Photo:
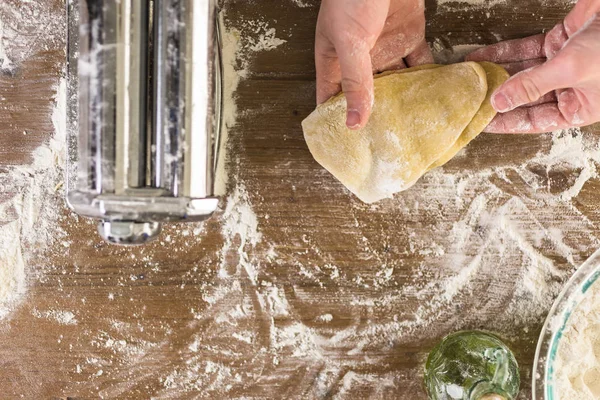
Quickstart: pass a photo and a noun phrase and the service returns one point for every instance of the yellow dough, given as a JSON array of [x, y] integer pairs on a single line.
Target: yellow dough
[[421, 118], [496, 76]]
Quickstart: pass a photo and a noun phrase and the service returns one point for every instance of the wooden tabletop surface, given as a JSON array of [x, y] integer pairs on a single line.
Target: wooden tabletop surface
[[318, 308]]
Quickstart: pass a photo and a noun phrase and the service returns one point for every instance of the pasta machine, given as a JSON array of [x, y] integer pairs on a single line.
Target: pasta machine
[[144, 90]]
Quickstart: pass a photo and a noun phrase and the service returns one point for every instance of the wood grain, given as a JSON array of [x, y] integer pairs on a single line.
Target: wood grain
[[144, 327]]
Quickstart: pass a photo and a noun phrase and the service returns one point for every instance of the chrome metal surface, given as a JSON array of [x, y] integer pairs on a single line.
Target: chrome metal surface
[[129, 232], [147, 76]]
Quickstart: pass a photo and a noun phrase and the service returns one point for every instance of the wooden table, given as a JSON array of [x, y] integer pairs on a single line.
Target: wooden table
[[325, 315]]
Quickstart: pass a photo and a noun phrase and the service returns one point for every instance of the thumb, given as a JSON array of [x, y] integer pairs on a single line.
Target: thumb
[[357, 81], [530, 85], [583, 11]]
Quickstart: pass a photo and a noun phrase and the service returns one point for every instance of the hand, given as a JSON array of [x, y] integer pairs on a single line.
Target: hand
[[556, 82], [356, 38]]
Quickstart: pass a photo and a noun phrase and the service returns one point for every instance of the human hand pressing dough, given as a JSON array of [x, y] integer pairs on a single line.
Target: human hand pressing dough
[[556, 82], [356, 38], [421, 118]]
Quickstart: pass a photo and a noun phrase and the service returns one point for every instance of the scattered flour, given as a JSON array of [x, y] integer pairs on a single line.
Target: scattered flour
[[239, 224], [325, 318], [262, 38], [232, 299], [499, 230], [60, 316], [27, 28], [12, 266], [577, 366], [266, 320], [5, 63], [480, 5], [267, 41], [27, 225], [301, 3], [231, 77], [473, 3], [238, 49], [474, 226]]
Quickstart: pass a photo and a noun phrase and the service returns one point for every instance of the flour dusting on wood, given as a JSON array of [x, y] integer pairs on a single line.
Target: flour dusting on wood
[[473, 3], [5, 63], [485, 248], [28, 214], [309, 293]]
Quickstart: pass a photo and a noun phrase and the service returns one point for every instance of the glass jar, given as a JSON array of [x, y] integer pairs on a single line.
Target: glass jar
[[472, 366]]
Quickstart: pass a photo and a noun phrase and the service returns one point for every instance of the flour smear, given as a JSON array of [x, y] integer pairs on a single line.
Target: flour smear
[[509, 235], [473, 3], [489, 247], [5, 63], [28, 214], [27, 28], [493, 247]]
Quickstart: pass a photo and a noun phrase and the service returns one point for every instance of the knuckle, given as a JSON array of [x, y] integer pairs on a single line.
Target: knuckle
[[530, 88], [352, 85], [358, 93]]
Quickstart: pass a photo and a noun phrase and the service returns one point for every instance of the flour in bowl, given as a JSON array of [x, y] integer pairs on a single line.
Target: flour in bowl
[[577, 366]]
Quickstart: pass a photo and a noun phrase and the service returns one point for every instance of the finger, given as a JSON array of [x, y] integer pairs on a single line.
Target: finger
[[357, 80], [329, 77], [583, 11], [571, 107], [538, 119], [545, 99], [386, 61], [530, 85], [395, 45], [511, 51], [555, 41], [516, 67], [399, 64], [420, 56]]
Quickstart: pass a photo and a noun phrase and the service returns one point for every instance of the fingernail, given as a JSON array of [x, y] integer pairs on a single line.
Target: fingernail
[[353, 119], [501, 103]]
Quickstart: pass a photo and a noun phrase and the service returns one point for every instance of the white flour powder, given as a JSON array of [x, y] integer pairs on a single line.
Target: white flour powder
[[255, 328], [12, 266], [5, 63], [27, 28], [239, 223], [60, 316], [28, 215], [265, 38], [231, 78], [473, 3], [577, 366], [237, 51], [484, 225], [301, 3]]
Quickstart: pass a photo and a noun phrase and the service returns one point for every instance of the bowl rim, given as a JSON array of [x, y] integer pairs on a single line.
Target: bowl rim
[[556, 321]]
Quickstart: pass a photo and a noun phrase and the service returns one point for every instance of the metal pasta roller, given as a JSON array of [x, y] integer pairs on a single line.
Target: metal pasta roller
[[145, 114]]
